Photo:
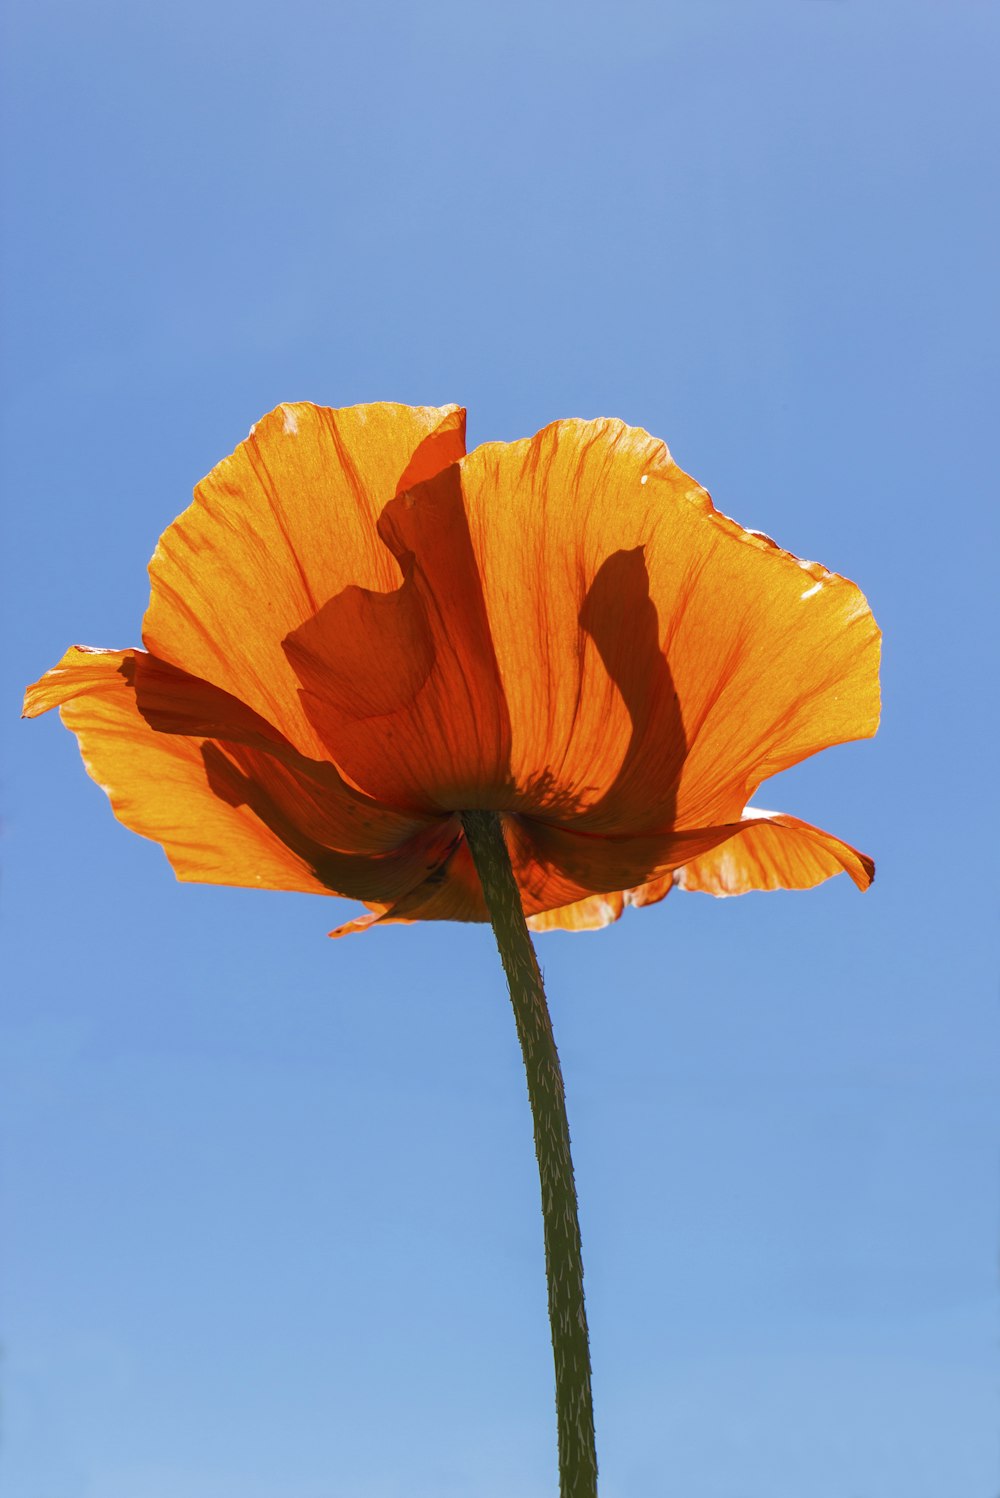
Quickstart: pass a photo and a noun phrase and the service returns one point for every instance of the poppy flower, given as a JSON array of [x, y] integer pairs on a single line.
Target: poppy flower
[[357, 632]]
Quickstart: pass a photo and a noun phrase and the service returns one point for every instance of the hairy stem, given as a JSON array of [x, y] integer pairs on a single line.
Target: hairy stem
[[563, 1258]]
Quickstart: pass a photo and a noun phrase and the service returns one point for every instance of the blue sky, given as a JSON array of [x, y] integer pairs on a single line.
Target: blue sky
[[271, 1219]]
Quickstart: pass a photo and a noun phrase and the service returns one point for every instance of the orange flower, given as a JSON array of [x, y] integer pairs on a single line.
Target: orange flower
[[357, 632]]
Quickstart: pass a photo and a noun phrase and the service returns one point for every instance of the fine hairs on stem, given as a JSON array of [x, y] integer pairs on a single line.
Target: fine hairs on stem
[[563, 1257]]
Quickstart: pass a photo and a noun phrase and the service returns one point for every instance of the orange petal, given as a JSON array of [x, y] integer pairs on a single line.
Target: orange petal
[[231, 801], [275, 531], [553, 867], [657, 661], [773, 851], [376, 916], [82, 670], [552, 894], [597, 911], [769, 851], [402, 688]]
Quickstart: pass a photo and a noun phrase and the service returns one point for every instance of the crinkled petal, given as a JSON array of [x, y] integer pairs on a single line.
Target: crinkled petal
[[764, 851], [596, 911], [770, 851], [275, 531], [402, 688], [656, 660], [228, 798], [774, 851], [563, 630], [782, 853], [555, 872]]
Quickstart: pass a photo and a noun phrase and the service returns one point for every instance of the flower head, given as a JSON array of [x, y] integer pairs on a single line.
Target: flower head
[[356, 632]]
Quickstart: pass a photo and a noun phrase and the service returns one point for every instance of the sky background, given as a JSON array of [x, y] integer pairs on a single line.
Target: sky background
[[271, 1222]]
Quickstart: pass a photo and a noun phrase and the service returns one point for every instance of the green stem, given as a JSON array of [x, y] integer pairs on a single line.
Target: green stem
[[563, 1258]]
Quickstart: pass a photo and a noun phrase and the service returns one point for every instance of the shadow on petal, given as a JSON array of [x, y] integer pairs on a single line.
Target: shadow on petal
[[621, 618], [402, 687], [242, 777]]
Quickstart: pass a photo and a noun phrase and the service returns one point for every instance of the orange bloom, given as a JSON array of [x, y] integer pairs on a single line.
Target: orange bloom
[[357, 632]]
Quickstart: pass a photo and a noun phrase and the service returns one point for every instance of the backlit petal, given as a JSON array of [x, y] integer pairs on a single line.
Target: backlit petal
[[559, 879], [774, 851], [230, 800], [357, 632], [575, 636], [275, 531], [657, 661], [402, 688], [597, 911], [557, 871], [770, 851]]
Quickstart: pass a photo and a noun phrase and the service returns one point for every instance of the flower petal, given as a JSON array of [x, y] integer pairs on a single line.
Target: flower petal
[[774, 851], [560, 880], [657, 660], [274, 532], [769, 851], [230, 800], [597, 911], [492, 624], [553, 867], [576, 640], [402, 688]]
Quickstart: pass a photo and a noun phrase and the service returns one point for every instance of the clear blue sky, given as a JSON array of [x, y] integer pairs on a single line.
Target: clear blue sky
[[271, 1222]]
